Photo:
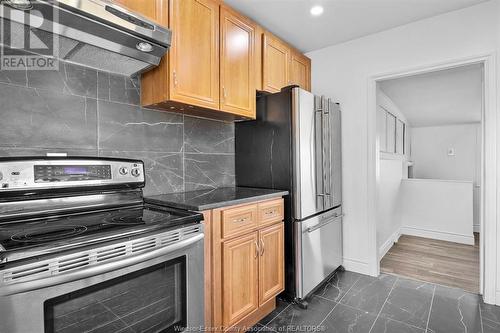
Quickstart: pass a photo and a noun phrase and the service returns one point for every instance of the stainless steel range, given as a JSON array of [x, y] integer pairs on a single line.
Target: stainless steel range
[[80, 251]]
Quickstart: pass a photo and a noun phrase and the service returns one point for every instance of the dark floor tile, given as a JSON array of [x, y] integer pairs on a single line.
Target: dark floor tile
[[386, 325], [490, 326], [369, 293], [409, 302], [490, 312], [260, 328], [255, 328], [293, 318], [338, 285], [346, 319], [280, 306], [454, 310]]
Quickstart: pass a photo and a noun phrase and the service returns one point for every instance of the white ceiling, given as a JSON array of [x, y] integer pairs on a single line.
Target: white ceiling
[[452, 96], [342, 20]]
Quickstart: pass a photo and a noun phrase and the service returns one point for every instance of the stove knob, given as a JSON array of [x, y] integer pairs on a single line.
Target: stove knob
[[135, 172], [123, 171]]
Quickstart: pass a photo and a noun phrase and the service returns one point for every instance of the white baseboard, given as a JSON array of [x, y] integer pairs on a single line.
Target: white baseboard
[[357, 266], [446, 236], [384, 248], [476, 228]]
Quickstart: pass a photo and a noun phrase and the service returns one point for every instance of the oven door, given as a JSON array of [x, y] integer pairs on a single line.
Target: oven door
[[158, 290]]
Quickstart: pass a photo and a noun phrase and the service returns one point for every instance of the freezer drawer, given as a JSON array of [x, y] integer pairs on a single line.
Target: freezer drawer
[[319, 249]]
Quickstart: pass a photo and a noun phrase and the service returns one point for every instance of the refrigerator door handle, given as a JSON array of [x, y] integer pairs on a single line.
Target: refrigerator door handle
[[321, 225], [319, 152], [327, 165]]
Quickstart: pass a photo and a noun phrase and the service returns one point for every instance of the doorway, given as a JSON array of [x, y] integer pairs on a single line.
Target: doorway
[[429, 175]]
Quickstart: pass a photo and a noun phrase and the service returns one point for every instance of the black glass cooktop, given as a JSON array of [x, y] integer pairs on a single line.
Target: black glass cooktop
[[91, 226]]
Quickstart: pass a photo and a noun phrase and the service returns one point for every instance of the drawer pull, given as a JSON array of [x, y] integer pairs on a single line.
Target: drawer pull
[[241, 220], [270, 212]]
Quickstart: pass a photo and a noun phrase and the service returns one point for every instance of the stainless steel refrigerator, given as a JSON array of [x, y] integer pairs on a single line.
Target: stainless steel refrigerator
[[295, 145]]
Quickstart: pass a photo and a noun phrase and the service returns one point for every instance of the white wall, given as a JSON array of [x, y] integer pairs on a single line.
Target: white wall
[[430, 155], [431, 160], [388, 188], [392, 169], [438, 209], [343, 72]]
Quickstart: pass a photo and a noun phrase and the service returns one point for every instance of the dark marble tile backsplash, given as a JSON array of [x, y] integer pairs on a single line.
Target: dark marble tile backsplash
[[82, 111]]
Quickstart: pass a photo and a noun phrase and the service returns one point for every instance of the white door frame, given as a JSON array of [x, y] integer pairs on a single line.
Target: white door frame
[[489, 173]]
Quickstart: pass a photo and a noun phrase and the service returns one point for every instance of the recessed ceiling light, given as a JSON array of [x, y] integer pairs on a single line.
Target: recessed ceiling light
[[316, 10]]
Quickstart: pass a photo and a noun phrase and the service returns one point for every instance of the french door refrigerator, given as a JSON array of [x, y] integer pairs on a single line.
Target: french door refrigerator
[[295, 144]]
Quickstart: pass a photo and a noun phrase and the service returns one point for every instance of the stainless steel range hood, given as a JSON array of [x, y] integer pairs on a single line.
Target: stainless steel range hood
[[92, 33]]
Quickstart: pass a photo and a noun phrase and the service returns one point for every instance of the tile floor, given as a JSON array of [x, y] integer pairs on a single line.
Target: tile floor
[[351, 302]]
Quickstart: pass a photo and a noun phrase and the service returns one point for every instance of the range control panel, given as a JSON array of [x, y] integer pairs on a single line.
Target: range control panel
[[24, 174]]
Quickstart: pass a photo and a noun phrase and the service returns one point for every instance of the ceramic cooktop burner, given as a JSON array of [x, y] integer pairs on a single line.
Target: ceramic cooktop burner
[[49, 233]]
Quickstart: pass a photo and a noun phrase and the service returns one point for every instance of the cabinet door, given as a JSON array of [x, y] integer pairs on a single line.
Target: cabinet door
[[272, 261], [300, 70], [194, 55], [237, 64], [275, 62], [239, 278]]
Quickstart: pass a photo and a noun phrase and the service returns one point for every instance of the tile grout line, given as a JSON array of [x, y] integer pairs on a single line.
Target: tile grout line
[[380, 311], [430, 309], [337, 303]]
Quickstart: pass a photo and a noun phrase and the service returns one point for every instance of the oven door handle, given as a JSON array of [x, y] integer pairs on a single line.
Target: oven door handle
[[98, 269]]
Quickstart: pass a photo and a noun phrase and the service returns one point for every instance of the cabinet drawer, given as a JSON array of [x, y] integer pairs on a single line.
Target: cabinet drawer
[[237, 220], [271, 212]]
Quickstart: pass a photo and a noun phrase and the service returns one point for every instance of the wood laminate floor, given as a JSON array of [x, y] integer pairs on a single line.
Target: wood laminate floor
[[435, 261]]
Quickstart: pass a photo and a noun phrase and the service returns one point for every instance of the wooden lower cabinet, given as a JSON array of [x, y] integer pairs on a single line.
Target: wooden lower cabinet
[[246, 268], [240, 271], [271, 262]]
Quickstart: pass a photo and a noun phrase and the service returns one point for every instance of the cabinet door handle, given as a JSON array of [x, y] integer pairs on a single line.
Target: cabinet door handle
[[257, 250], [224, 94], [175, 78], [262, 247]]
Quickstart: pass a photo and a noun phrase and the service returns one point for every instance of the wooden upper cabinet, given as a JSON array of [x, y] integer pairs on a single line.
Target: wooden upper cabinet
[[276, 56], [237, 64], [240, 258], [217, 61], [194, 54], [271, 263], [259, 39], [300, 70]]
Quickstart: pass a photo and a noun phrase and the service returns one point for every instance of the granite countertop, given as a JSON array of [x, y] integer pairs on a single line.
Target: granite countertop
[[214, 198]]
